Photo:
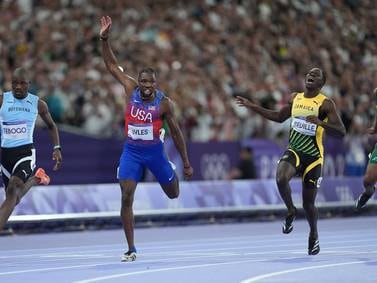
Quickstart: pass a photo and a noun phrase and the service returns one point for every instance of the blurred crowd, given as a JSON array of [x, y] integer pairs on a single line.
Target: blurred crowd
[[205, 52]]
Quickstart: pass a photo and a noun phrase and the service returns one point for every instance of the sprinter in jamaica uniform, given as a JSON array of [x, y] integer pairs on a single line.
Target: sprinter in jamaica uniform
[[311, 114], [370, 176]]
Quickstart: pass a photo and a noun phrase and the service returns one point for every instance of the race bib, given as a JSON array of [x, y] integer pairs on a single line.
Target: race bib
[[300, 125], [142, 132], [14, 130]]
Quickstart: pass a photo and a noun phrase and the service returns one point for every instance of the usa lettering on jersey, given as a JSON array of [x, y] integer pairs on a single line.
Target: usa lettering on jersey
[[141, 114]]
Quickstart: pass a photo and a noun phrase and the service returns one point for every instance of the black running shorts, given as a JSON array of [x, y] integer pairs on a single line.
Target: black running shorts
[[17, 161]]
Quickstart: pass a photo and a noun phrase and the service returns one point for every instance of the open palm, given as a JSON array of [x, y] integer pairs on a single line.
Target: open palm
[[242, 101], [105, 26]]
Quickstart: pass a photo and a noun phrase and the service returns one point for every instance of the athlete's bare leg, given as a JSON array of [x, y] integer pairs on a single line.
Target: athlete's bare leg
[[309, 193], [32, 181], [370, 178], [13, 194], [172, 189], [128, 188], [284, 174]]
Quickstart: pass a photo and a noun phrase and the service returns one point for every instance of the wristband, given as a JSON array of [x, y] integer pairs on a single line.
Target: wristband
[[104, 38], [57, 147]]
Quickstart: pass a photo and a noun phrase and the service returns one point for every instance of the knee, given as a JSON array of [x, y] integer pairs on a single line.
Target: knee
[[127, 199], [308, 205], [281, 180]]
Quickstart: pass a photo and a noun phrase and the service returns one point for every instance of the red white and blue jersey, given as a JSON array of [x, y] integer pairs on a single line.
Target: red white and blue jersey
[[142, 120]]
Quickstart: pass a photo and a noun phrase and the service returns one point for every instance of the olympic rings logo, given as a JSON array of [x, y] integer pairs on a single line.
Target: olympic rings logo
[[214, 166]]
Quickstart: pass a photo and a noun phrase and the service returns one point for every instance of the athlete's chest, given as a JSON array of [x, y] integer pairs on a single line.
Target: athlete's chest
[[13, 108], [144, 113], [303, 107]]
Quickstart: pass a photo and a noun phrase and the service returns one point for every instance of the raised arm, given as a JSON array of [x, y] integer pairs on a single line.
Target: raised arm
[[334, 125], [53, 132], [111, 62], [274, 115], [176, 133]]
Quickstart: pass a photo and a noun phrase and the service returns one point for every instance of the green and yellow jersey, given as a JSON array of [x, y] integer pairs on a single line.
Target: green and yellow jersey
[[306, 137]]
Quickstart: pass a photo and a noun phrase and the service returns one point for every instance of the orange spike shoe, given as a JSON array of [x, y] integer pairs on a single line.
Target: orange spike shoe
[[44, 179]]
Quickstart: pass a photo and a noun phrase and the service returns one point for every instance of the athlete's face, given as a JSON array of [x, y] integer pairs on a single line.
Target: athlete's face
[[20, 87], [147, 84], [314, 79]]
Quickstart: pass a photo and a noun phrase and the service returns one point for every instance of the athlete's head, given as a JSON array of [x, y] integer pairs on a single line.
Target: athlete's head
[[147, 82], [20, 83], [315, 79]]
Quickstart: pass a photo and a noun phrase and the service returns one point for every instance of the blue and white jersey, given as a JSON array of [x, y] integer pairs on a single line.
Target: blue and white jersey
[[17, 119]]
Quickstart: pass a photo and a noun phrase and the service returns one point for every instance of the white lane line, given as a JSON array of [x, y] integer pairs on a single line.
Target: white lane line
[[202, 251], [272, 274], [276, 243], [56, 268], [167, 243], [102, 278], [120, 263], [188, 242], [187, 257]]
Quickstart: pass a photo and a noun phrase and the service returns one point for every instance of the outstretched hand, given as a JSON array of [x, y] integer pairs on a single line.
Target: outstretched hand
[[242, 101], [105, 26]]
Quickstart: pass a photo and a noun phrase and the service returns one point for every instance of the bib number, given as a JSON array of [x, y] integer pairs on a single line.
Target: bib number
[[144, 132], [300, 125], [14, 131]]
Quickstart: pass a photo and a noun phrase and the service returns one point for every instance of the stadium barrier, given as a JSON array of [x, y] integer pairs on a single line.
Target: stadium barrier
[[103, 200]]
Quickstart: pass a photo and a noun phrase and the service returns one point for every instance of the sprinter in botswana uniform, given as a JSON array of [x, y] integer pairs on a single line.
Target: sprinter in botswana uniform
[[311, 114], [18, 112]]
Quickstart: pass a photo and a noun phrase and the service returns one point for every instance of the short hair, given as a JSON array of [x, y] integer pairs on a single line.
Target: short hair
[[148, 70], [22, 73]]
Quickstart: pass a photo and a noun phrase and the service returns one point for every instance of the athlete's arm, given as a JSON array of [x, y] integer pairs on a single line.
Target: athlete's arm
[[274, 115], [334, 125], [111, 62], [176, 134], [53, 132], [373, 130], [1, 99]]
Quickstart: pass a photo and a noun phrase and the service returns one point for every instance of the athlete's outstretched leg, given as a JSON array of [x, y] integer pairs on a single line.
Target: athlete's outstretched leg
[[13, 194], [128, 188], [370, 178], [15, 191], [309, 193], [284, 174]]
